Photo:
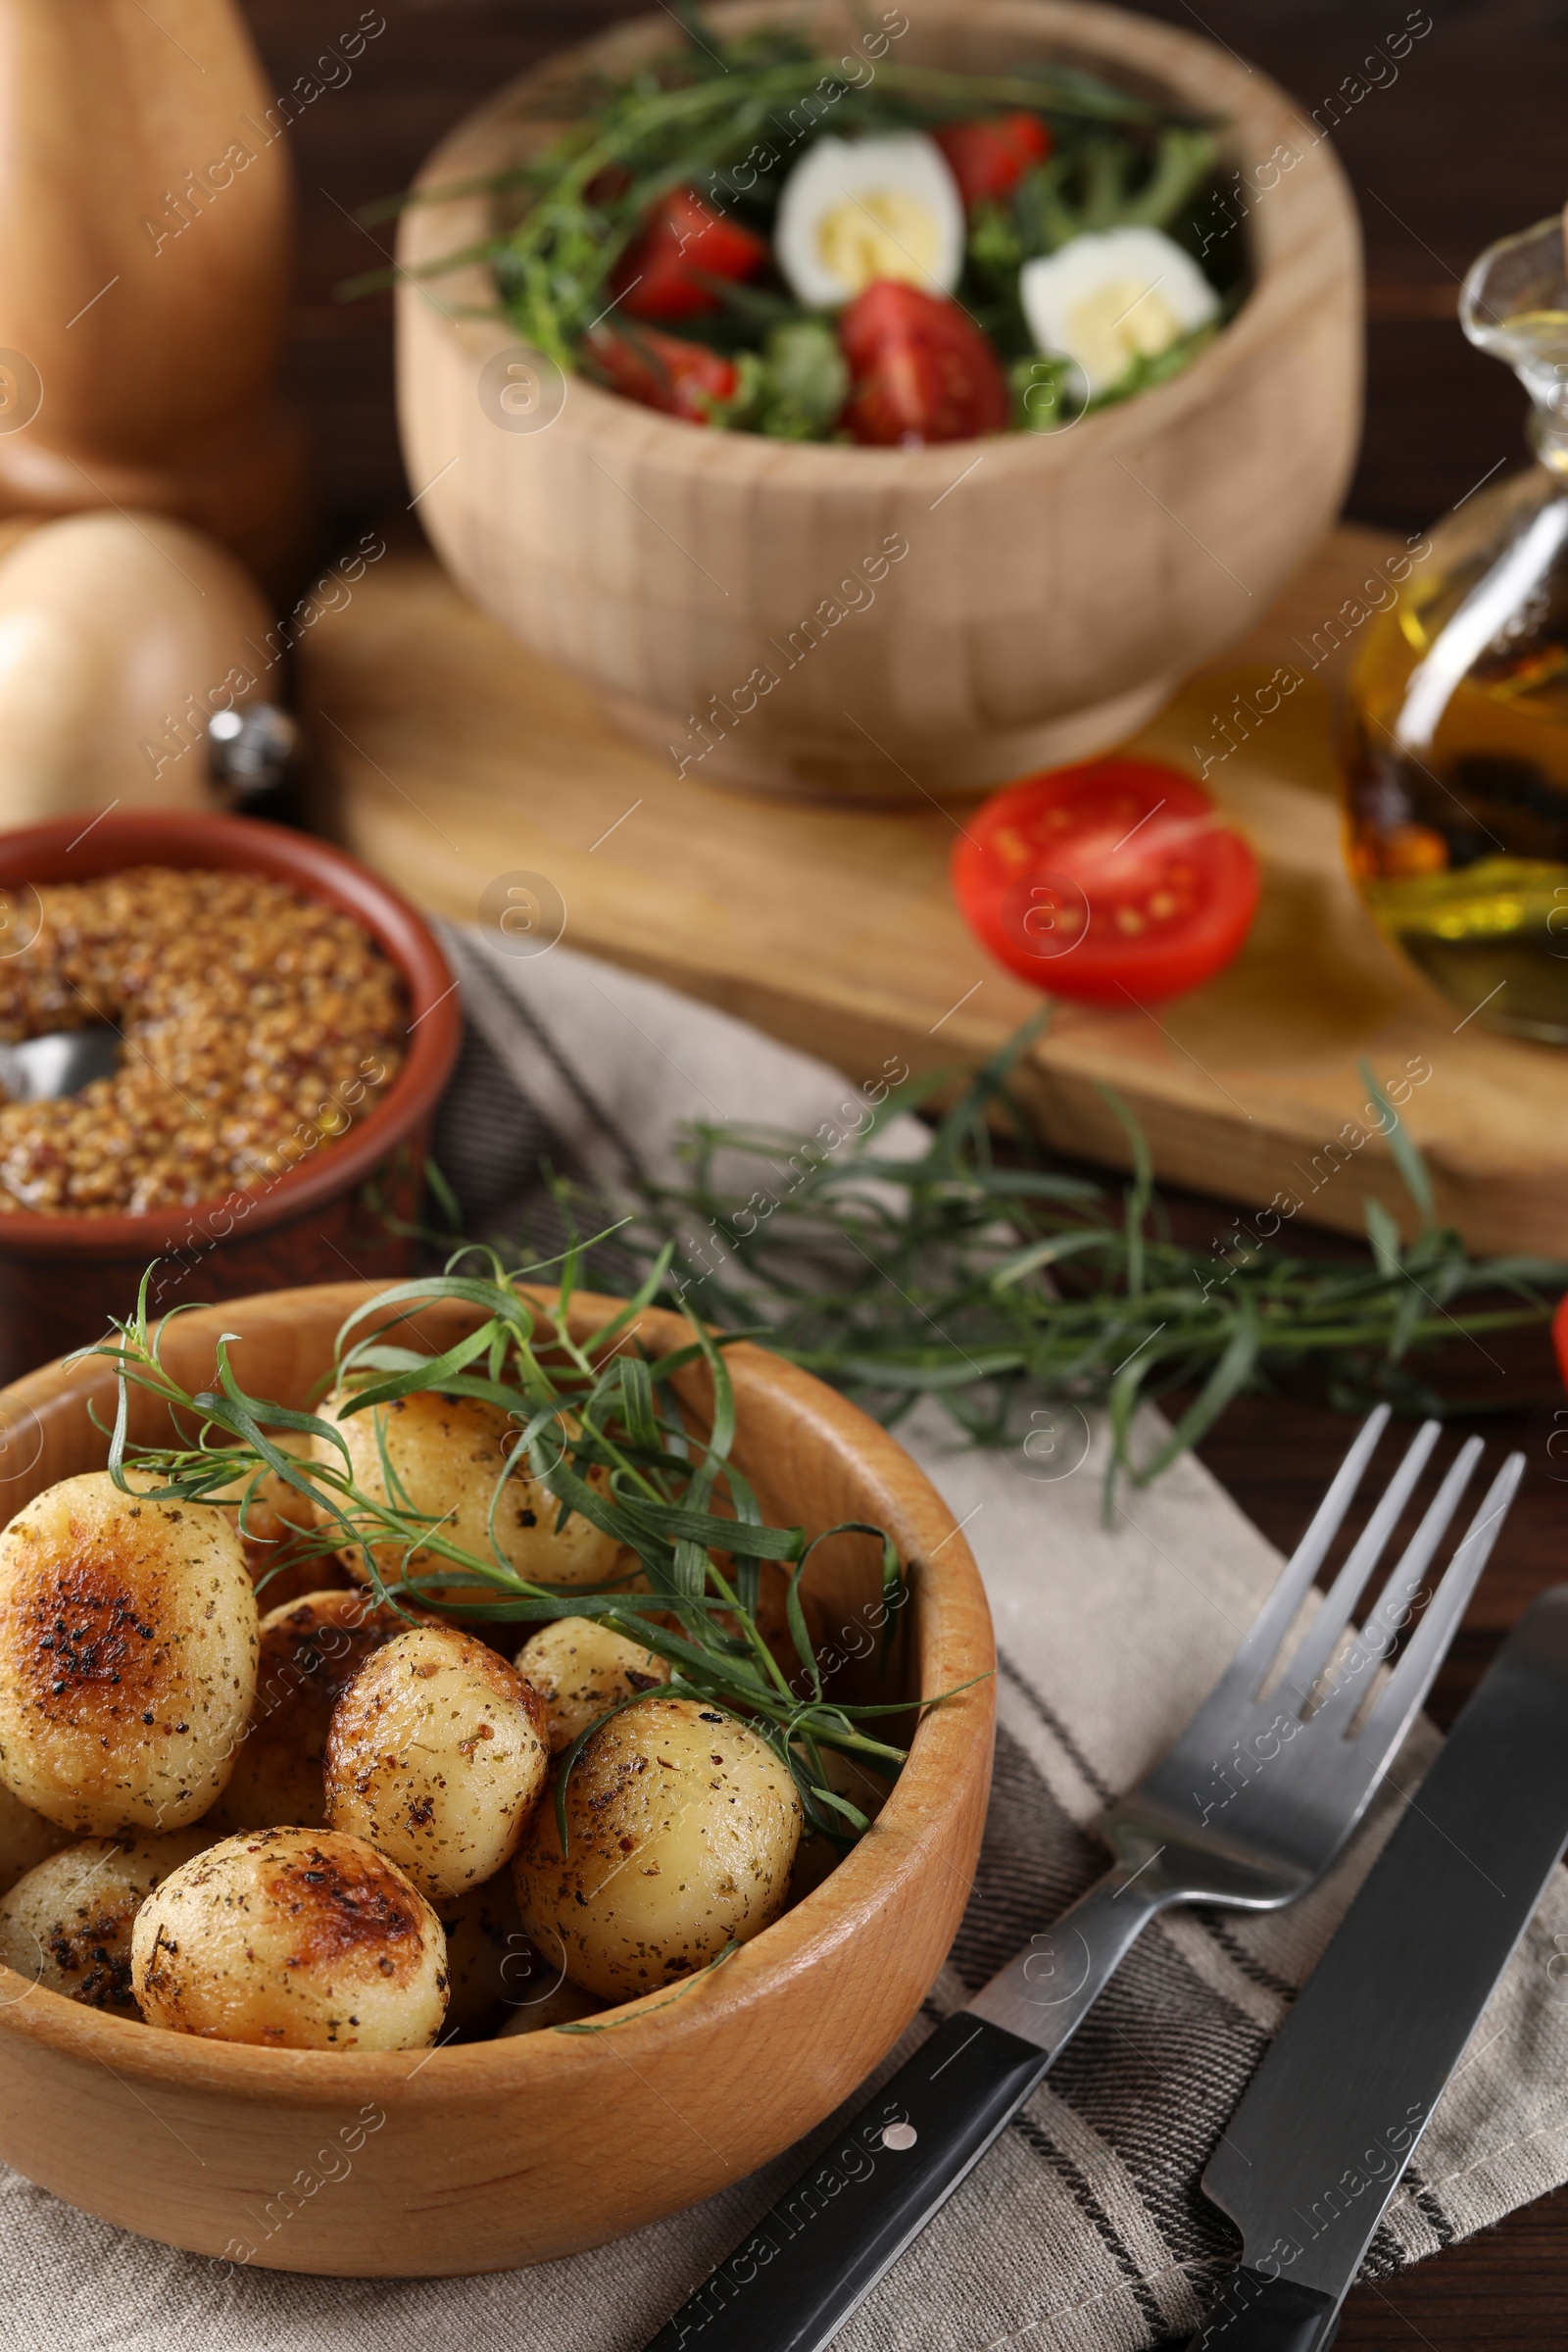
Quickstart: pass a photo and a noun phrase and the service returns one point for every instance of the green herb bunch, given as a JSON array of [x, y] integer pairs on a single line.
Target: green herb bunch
[[675, 1498], [972, 1273]]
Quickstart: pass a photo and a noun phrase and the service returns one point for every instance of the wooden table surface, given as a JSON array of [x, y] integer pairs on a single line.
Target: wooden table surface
[[1461, 145]]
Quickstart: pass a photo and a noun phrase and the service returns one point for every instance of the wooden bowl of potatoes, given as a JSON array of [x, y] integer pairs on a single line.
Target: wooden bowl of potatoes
[[300, 1971]]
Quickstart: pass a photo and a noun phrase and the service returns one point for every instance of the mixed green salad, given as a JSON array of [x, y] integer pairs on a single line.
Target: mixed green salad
[[752, 237]]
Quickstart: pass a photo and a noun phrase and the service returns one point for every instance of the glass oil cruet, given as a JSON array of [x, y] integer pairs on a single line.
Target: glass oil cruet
[[1458, 751]]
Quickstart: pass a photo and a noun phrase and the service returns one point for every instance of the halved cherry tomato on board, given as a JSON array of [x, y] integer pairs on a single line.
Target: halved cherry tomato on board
[[1116, 882], [683, 239], [919, 369], [662, 371], [987, 157]]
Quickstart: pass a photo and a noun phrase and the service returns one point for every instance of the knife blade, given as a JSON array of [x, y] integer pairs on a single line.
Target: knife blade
[[1315, 2151]]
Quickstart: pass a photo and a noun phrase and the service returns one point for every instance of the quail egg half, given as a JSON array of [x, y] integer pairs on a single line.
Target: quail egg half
[[854, 210]]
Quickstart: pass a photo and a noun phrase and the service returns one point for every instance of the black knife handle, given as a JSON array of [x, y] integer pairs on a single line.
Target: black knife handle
[[827, 2241], [1259, 2313]]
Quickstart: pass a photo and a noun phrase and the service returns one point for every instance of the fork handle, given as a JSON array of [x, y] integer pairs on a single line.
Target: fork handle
[[1044, 1992], [831, 2236], [864, 2204]]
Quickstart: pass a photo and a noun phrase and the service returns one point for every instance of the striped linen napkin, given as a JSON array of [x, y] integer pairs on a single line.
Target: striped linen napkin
[[1084, 2229]]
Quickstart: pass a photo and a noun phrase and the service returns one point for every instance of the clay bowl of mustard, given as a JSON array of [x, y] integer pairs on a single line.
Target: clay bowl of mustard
[[490, 2155], [334, 1211]]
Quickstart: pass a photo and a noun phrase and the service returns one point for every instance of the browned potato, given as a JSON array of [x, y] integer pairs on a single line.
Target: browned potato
[[67, 1925], [280, 1576], [563, 2005], [284, 1563], [128, 1657], [682, 1827], [311, 1650], [580, 1668], [300, 1939], [25, 1838], [772, 1618], [276, 1512], [280, 1522], [448, 1454], [485, 1950], [437, 1754]]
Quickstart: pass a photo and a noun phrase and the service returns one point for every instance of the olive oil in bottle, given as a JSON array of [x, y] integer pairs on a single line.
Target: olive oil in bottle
[[1458, 751]]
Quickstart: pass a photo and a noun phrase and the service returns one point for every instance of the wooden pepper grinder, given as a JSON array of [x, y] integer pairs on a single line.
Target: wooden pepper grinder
[[145, 205]]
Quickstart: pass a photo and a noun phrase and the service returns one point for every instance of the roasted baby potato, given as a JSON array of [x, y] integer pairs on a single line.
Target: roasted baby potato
[[300, 1939], [580, 1668], [128, 1657], [25, 1838], [562, 2004], [682, 1827], [311, 1650], [446, 1454], [280, 1534], [485, 1951], [67, 1925], [437, 1754]]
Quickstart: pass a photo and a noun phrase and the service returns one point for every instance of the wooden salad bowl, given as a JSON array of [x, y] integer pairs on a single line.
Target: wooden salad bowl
[[497, 2154], [1057, 586]]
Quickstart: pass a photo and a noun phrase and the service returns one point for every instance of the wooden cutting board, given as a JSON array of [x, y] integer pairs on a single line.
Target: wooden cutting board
[[451, 759]]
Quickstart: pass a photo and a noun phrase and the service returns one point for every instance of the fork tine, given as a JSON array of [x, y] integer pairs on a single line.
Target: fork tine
[[1268, 1629], [1377, 1635], [1317, 1644], [1390, 1718]]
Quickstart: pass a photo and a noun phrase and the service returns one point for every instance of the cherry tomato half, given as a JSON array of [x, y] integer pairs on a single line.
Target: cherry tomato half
[[1559, 1336], [988, 157], [1111, 882], [662, 371], [682, 240], [919, 369]]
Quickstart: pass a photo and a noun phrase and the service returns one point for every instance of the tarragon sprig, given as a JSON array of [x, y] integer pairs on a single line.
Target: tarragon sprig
[[975, 1273], [675, 1496]]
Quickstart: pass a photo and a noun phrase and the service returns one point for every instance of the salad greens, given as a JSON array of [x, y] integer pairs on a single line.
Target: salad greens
[[725, 121]]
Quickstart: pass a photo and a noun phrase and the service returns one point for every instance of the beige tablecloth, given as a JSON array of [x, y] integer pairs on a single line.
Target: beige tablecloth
[[1084, 2229]]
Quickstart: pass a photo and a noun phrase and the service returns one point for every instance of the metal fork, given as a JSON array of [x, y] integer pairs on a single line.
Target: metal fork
[[1248, 1808]]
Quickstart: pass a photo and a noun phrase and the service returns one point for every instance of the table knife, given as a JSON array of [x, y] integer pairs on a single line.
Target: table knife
[[1317, 2147]]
